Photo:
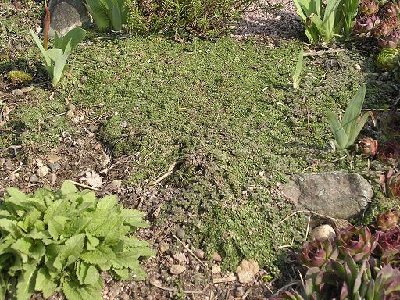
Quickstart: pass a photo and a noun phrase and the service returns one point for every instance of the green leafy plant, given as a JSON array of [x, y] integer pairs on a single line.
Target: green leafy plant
[[326, 21], [183, 18], [56, 58], [298, 70], [346, 130], [62, 240], [108, 14]]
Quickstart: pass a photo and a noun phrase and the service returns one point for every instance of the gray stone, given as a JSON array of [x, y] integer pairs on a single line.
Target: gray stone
[[337, 195], [66, 15]]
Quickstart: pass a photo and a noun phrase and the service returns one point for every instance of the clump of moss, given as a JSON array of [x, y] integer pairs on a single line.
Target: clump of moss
[[19, 77], [119, 137]]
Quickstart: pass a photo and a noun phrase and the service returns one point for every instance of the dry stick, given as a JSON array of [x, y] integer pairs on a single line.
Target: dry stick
[[168, 173], [188, 249], [84, 185], [224, 279], [246, 294], [174, 290], [322, 52], [308, 228], [305, 211]]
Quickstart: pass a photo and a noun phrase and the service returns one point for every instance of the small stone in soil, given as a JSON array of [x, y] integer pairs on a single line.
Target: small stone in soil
[[177, 269], [216, 257], [215, 269], [180, 257], [164, 247], [54, 166], [33, 178], [42, 171], [180, 233], [199, 253]]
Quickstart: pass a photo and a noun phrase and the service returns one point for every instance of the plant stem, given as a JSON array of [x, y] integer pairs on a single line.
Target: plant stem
[[46, 26]]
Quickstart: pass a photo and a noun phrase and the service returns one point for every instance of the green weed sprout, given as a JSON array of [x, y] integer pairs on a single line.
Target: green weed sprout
[[108, 13], [298, 70], [56, 58], [345, 131]]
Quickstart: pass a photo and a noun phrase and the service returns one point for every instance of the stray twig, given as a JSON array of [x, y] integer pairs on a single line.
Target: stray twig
[[84, 185], [173, 290], [323, 52], [296, 282], [224, 279], [168, 173], [246, 294], [308, 228], [188, 249], [307, 212]]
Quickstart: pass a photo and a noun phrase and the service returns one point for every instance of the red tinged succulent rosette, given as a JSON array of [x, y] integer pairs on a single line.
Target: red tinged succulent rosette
[[358, 242], [317, 253]]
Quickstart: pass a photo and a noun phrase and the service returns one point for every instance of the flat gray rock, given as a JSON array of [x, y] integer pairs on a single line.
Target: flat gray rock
[[337, 195], [66, 15]]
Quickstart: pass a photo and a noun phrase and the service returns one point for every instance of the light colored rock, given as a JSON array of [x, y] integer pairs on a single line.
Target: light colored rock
[[66, 15], [42, 171], [180, 258], [337, 195], [177, 269], [216, 257], [323, 232], [164, 247], [247, 270], [215, 269]]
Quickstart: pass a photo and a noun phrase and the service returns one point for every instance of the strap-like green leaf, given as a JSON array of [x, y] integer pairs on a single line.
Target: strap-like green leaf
[[40, 46], [338, 131], [98, 11], [353, 109], [356, 128]]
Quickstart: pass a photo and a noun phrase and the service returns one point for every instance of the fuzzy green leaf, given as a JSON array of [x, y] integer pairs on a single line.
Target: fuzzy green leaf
[[75, 291], [44, 283], [26, 282], [68, 188], [298, 70]]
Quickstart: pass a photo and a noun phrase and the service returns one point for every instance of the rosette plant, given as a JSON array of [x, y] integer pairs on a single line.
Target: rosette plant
[[317, 253], [358, 242]]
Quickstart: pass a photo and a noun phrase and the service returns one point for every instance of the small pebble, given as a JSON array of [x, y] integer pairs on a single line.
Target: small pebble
[[42, 171], [33, 178], [17, 92], [177, 269], [215, 269], [199, 253], [322, 233], [54, 166], [164, 247], [180, 233], [216, 257]]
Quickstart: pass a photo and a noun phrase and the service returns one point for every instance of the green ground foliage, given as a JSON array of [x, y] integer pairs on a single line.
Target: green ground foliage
[[225, 111]]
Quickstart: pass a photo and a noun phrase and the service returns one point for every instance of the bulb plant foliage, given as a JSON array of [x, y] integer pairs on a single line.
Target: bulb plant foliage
[[62, 241], [55, 59], [358, 263], [326, 20], [347, 129], [108, 14]]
